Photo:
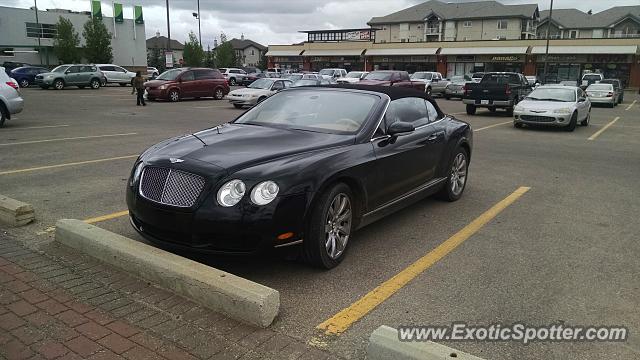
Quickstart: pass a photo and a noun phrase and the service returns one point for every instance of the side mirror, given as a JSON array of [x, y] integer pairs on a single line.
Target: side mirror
[[399, 128], [582, 99]]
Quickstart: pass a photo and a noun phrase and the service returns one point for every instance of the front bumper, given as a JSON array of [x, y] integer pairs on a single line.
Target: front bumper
[[156, 93], [488, 103], [454, 92], [238, 100], [43, 81], [242, 229], [547, 118]]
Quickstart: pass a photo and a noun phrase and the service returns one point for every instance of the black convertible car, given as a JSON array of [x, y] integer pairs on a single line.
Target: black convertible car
[[307, 166]]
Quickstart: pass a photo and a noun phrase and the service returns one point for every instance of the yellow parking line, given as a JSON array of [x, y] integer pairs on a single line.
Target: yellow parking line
[[65, 139], [494, 125], [36, 127], [594, 136], [631, 105], [345, 318], [106, 217], [8, 172]]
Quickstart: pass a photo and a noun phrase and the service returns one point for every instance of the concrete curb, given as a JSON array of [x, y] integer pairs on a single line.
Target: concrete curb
[[14, 212], [228, 294], [384, 344]]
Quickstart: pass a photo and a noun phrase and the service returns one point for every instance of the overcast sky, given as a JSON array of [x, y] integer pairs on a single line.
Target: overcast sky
[[271, 21]]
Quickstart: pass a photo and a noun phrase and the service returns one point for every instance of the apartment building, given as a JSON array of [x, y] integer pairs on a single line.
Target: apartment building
[[616, 22], [248, 52], [439, 21]]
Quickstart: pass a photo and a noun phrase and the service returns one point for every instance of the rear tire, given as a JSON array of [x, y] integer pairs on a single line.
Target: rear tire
[[261, 99], [218, 94], [232, 81], [447, 97], [471, 109], [3, 115], [24, 83], [492, 109], [510, 111], [237, 106], [95, 84], [572, 123], [330, 227], [457, 176], [123, 84]]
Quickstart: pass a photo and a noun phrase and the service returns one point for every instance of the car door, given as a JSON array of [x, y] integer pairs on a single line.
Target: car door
[[582, 104], [72, 75], [108, 72], [187, 84], [277, 86], [437, 84], [406, 162], [204, 82], [121, 74], [84, 75]]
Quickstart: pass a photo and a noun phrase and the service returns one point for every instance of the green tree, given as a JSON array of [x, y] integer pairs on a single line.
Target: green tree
[[155, 59], [66, 43], [193, 54], [98, 42], [225, 56], [209, 61], [262, 64]]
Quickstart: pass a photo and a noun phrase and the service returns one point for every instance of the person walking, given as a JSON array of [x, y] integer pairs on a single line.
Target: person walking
[[137, 84]]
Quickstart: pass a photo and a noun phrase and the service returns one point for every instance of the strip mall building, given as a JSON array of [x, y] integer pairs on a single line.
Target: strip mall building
[[481, 36]]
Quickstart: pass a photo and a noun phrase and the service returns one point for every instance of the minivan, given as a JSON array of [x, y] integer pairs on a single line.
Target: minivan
[[177, 84]]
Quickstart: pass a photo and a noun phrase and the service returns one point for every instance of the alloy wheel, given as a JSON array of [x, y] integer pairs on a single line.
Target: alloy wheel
[[174, 96], [24, 83], [458, 174], [219, 94], [338, 225]]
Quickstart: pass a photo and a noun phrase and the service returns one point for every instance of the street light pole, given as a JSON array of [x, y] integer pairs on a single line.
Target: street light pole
[[546, 51], [199, 31], [168, 48], [35, 3]]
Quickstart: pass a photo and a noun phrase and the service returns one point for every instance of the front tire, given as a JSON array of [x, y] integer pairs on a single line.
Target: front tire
[[330, 227], [447, 97], [123, 84], [585, 122], [471, 109], [3, 115], [428, 91], [58, 84], [572, 123], [174, 95], [457, 177]]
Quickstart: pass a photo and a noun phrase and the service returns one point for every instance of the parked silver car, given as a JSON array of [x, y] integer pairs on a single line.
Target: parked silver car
[[11, 101], [553, 105], [603, 94], [116, 74], [433, 81]]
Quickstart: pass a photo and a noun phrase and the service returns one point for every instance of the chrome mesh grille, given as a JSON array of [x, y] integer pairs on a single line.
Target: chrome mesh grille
[[170, 186], [537, 118]]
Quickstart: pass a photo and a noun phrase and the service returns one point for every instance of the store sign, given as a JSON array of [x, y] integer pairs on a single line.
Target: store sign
[[608, 58], [168, 59], [464, 58], [506, 58], [357, 35]]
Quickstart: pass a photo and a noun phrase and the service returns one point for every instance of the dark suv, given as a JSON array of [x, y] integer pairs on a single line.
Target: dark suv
[[26, 75], [178, 84]]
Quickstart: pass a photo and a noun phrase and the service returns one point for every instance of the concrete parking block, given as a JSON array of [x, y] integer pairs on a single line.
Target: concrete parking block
[[385, 344], [14, 212], [228, 294]]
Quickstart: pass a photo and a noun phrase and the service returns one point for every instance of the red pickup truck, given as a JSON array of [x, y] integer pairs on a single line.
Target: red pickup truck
[[391, 78]]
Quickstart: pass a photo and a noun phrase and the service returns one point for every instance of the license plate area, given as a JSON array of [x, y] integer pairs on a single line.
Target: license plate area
[[484, 102]]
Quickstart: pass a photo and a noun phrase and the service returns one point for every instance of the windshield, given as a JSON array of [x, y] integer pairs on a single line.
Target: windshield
[[603, 87], [333, 112], [305, 82], [261, 84], [169, 74], [326, 72], [591, 77], [294, 77], [422, 75], [354, 74], [553, 94], [458, 79], [477, 75], [60, 69], [378, 76]]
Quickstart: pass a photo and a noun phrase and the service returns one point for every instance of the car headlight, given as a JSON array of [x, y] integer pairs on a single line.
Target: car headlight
[[162, 87], [231, 192], [518, 108], [136, 173], [264, 192], [562, 111], [49, 76]]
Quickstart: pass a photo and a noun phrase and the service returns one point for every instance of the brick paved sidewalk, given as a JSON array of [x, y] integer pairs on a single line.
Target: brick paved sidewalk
[[61, 304]]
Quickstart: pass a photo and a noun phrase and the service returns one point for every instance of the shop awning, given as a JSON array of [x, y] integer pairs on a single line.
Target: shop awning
[[284, 52], [493, 50], [591, 49], [401, 51], [333, 52]]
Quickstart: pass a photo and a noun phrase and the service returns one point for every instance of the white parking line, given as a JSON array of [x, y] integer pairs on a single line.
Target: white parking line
[[64, 139], [631, 105], [37, 127], [594, 136], [494, 125]]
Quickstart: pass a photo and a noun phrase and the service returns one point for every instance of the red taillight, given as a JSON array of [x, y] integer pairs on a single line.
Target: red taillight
[[12, 84], [610, 94], [465, 89], [507, 90]]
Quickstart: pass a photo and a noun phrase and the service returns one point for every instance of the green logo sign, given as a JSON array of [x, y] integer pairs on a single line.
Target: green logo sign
[[96, 11], [137, 12], [117, 13]]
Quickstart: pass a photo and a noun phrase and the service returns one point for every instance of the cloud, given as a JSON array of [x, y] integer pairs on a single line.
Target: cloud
[[273, 21]]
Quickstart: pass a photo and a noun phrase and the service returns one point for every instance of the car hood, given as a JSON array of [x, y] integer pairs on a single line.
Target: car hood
[[537, 105], [156, 83], [49, 73], [237, 146], [250, 91], [375, 82]]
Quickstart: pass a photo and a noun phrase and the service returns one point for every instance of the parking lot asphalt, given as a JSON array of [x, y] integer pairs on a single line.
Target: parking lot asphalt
[[564, 251]]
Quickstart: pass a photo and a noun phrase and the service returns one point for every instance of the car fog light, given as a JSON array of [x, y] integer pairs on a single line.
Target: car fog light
[[264, 192], [231, 193]]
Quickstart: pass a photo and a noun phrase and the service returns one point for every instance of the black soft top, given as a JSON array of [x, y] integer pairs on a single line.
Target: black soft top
[[394, 92]]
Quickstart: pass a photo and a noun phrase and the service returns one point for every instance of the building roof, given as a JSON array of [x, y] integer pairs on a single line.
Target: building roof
[[161, 41], [452, 11], [576, 19], [241, 44]]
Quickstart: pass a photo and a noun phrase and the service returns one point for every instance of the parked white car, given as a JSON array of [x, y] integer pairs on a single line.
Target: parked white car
[[116, 74], [11, 101], [257, 91], [590, 78], [234, 76], [554, 105], [333, 73], [152, 72], [352, 77]]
